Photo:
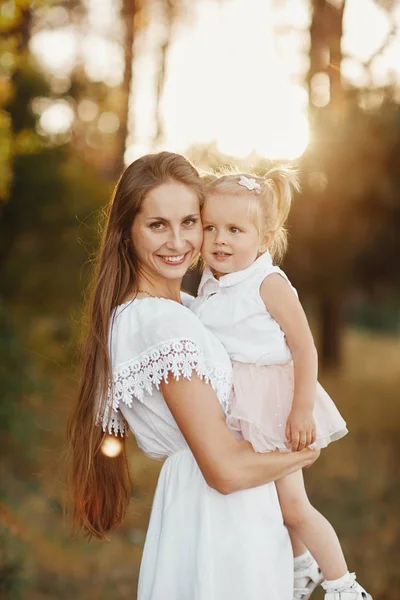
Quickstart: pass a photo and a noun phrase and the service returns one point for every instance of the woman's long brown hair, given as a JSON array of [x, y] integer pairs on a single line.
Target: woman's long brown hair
[[100, 486]]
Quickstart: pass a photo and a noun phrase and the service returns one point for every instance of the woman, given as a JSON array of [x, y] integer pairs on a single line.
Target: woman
[[216, 530]]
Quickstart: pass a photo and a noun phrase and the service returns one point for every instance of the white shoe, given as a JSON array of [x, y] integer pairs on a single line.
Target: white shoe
[[349, 591], [313, 574]]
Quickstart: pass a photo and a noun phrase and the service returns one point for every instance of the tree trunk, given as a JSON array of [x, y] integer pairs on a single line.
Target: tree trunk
[[24, 29], [325, 57], [170, 14], [331, 317], [334, 16], [317, 41], [128, 12]]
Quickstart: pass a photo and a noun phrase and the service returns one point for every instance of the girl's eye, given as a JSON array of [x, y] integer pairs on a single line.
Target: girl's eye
[[209, 228], [157, 225], [235, 230]]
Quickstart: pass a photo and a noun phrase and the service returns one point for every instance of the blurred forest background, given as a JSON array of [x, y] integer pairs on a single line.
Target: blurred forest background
[[88, 84]]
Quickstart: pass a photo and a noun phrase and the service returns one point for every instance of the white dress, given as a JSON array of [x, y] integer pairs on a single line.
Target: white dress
[[200, 544]]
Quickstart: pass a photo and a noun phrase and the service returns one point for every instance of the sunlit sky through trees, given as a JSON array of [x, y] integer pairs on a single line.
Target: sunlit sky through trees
[[235, 74]]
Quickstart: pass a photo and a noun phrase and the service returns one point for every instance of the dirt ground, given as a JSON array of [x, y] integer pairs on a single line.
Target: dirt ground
[[355, 484]]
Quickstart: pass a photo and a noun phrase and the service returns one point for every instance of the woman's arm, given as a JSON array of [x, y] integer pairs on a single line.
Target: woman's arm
[[228, 464], [284, 306]]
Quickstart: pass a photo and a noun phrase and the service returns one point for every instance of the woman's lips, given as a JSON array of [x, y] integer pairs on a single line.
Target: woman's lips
[[175, 261]]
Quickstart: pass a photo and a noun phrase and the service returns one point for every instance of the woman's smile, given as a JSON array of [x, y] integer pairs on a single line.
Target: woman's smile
[[167, 233], [173, 260]]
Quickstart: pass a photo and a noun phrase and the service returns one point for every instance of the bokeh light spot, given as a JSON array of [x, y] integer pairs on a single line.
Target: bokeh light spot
[[111, 446], [108, 122], [320, 90], [57, 118], [87, 110]]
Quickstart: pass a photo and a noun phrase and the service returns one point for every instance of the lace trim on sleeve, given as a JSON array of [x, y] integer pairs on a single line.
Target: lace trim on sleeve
[[136, 378]]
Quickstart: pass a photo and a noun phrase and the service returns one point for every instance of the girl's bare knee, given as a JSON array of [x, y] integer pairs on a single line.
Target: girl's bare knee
[[297, 514]]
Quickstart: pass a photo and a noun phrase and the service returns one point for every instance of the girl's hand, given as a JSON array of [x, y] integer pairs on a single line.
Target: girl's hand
[[300, 429]]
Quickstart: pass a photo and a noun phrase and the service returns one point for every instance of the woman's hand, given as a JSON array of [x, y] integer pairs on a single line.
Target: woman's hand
[[300, 428], [227, 464], [311, 456]]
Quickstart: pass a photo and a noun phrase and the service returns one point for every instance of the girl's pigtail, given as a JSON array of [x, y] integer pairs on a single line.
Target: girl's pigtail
[[282, 182]]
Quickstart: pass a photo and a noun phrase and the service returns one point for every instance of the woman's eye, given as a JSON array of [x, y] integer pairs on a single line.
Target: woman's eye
[[157, 225], [190, 222]]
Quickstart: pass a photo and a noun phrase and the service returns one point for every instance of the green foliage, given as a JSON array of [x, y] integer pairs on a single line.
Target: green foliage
[[28, 83], [342, 234], [50, 198], [376, 313], [13, 562], [17, 381], [5, 153], [47, 230], [20, 82], [350, 205], [41, 226]]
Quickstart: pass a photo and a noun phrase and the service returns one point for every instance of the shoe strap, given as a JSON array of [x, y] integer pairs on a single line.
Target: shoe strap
[[312, 572], [342, 588], [300, 592]]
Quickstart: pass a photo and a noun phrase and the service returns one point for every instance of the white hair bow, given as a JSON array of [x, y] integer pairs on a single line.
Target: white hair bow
[[250, 183]]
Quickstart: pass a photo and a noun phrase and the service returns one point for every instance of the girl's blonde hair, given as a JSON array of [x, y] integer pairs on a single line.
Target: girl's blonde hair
[[269, 202]]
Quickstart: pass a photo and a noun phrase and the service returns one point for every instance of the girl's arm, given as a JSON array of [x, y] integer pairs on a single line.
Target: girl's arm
[[228, 464], [284, 306]]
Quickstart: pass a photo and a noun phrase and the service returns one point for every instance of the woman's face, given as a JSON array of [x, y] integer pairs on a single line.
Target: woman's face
[[167, 233]]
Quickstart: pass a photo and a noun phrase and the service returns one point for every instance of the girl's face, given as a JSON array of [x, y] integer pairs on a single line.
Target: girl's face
[[167, 232], [231, 238]]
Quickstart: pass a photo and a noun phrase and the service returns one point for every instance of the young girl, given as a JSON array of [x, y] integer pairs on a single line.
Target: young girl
[[276, 402]]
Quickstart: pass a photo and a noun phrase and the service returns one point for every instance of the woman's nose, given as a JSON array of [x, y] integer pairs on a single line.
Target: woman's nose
[[177, 240]]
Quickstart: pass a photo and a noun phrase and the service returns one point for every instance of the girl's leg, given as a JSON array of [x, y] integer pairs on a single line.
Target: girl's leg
[[297, 545], [316, 533], [307, 574]]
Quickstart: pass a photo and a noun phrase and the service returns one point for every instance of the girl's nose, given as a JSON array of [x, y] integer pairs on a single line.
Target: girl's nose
[[219, 238]]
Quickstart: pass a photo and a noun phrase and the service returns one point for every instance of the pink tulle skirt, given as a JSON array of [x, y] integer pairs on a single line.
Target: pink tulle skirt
[[261, 401]]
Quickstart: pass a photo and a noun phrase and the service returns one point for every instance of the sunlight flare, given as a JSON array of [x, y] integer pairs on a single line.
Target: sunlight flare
[[111, 446]]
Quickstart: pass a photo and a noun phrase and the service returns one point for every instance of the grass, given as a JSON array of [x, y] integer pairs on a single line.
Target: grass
[[355, 484]]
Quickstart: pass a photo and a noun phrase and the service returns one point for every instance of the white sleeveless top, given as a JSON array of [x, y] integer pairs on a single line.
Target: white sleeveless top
[[151, 338], [232, 308]]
